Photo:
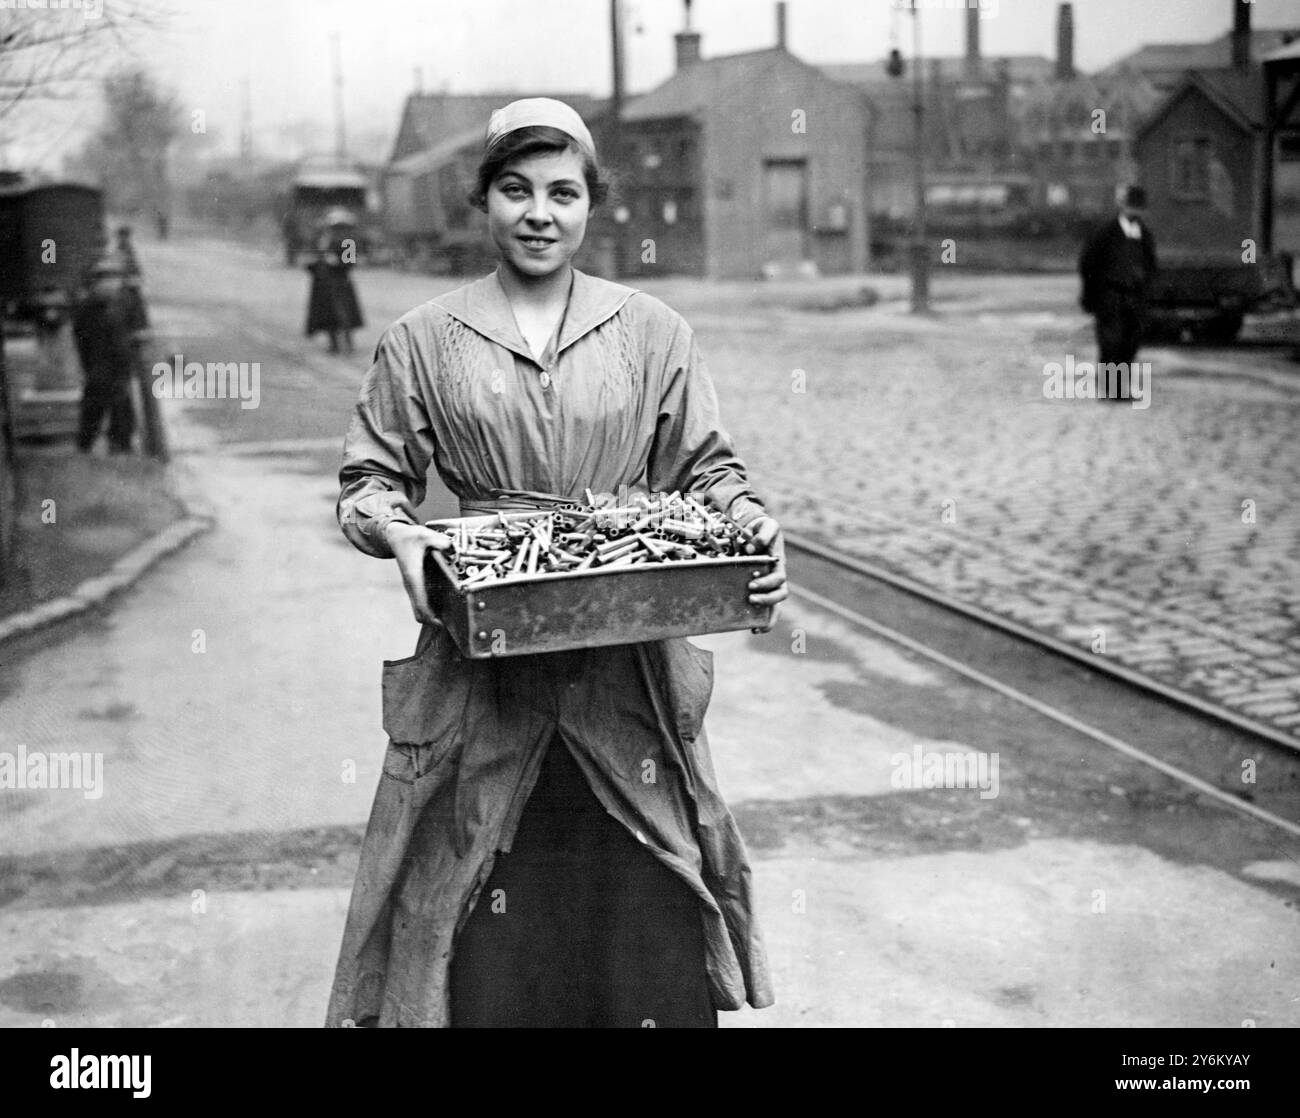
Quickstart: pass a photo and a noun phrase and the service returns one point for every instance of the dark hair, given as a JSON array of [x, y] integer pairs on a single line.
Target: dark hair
[[535, 140]]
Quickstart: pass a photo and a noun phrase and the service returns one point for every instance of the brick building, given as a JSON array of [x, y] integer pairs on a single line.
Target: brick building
[[743, 164]]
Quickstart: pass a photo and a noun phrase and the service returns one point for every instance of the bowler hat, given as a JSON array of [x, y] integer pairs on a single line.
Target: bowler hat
[[1134, 197]]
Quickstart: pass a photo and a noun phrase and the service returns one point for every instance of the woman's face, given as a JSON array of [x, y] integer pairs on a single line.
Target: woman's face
[[537, 211]]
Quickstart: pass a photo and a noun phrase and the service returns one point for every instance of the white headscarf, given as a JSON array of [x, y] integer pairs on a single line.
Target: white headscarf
[[535, 112]]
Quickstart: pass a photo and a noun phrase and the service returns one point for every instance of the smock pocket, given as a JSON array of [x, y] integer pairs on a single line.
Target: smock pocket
[[425, 700], [690, 678]]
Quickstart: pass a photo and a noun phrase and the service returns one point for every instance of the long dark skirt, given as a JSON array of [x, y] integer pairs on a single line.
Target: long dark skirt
[[332, 303], [579, 926]]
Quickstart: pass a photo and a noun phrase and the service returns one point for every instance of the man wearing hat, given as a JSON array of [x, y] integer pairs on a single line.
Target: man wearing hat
[[1117, 265], [102, 326]]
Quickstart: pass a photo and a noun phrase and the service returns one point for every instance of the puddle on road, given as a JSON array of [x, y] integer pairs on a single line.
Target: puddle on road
[[62, 988]]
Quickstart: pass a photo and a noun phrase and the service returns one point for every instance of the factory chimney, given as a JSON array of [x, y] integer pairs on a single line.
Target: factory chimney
[[688, 42], [780, 24], [973, 41], [1240, 34], [1065, 42]]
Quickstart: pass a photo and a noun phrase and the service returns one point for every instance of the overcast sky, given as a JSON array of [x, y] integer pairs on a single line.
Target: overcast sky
[[282, 47]]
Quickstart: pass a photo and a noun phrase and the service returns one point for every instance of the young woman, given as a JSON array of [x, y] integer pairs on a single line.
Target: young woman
[[547, 845], [332, 305]]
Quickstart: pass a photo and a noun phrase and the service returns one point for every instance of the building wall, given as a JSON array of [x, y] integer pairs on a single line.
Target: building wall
[[1224, 213], [659, 198], [747, 128]]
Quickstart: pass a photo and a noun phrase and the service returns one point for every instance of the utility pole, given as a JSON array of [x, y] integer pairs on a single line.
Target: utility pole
[[616, 101], [245, 123], [340, 136], [920, 258]]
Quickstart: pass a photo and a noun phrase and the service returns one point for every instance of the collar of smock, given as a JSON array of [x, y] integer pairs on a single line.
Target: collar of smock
[[484, 307]]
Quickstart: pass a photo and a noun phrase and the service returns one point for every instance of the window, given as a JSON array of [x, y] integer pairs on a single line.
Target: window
[[1189, 174]]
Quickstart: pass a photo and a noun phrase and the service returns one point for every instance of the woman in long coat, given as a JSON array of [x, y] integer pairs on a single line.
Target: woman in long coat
[[547, 846], [332, 305]]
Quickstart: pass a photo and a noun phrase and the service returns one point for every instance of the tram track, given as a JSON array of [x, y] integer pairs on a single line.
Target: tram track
[[1197, 745]]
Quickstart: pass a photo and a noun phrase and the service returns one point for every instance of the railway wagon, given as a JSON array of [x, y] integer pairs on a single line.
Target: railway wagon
[[50, 235], [428, 220]]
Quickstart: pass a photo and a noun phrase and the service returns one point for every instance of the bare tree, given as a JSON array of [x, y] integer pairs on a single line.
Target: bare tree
[[54, 53], [128, 156]]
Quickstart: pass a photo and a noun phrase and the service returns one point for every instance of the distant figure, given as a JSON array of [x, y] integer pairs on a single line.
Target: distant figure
[[103, 325], [125, 252], [1117, 265], [132, 280], [333, 306]]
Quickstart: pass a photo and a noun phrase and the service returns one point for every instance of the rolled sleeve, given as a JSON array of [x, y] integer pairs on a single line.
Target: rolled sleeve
[[388, 448], [692, 452]]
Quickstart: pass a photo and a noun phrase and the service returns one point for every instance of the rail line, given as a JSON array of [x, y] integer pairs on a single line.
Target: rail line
[[1133, 678], [798, 543]]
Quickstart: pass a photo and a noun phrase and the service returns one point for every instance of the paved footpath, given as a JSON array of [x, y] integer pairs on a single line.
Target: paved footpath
[[1166, 539]]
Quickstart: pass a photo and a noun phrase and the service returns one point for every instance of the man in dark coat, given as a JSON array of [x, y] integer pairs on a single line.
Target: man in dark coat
[[1117, 265], [102, 326]]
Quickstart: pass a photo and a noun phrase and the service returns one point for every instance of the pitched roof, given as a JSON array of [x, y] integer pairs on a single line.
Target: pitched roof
[[1020, 67], [694, 86], [436, 156], [1235, 93], [1284, 54], [1170, 59], [429, 119]]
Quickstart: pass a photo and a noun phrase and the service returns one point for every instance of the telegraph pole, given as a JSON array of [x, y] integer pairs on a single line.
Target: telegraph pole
[[340, 136], [920, 250], [245, 122], [616, 100]]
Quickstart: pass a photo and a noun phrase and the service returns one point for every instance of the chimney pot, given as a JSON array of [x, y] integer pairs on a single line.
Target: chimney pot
[[780, 24], [688, 48]]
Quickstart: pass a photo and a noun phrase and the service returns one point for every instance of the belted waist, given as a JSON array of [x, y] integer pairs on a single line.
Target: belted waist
[[512, 501]]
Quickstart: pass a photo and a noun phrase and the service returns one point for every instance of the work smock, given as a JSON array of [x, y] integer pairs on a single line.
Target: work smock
[[620, 397]]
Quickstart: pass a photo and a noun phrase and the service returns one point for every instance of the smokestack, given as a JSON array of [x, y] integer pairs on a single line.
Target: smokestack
[[780, 24], [973, 41], [687, 42], [1065, 42], [1240, 34]]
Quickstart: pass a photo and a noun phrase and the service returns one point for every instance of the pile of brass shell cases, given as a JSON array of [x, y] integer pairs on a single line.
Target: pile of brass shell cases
[[650, 529]]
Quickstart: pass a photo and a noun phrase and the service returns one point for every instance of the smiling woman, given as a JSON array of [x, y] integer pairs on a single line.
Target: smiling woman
[[547, 847]]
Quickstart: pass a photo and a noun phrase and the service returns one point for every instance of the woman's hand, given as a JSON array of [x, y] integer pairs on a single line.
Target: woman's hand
[[769, 589], [409, 543]]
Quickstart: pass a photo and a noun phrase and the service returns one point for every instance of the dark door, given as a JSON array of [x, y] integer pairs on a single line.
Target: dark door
[[785, 204]]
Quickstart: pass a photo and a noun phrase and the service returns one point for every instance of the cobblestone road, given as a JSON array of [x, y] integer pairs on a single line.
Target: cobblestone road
[[927, 447], [1166, 539]]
